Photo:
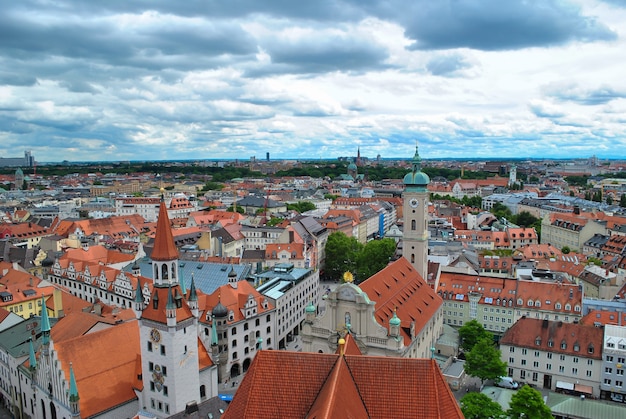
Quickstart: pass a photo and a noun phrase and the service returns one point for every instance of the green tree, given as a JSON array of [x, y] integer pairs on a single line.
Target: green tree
[[330, 196], [374, 256], [527, 403], [479, 406], [212, 186], [622, 201], [609, 200], [341, 255], [597, 196], [471, 332], [526, 219], [565, 250], [301, 206], [240, 209], [501, 211], [484, 362]]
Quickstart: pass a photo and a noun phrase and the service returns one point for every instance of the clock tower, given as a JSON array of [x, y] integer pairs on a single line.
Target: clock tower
[[168, 327], [415, 212]]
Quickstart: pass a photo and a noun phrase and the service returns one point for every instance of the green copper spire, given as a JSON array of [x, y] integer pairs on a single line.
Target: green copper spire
[[138, 294], [213, 333], [170, 300], [183, 287], [73, 388], [32, 360], [45, 323]]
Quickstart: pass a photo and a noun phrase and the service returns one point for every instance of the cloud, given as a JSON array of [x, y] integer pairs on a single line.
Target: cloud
[[571, 92], [545, 110], [448, 65], [493, 25]]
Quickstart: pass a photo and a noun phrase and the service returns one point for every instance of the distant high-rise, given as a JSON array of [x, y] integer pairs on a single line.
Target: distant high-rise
[[27, 161], [267, 156]]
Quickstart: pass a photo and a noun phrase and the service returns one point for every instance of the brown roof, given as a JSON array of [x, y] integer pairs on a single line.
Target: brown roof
[[164, 248], [400, 287], [316, 385], [556, 336]]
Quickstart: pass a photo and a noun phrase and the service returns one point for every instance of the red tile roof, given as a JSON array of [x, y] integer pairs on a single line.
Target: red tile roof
[[159, 297], [315, 385], [399, 286], [164, 248]]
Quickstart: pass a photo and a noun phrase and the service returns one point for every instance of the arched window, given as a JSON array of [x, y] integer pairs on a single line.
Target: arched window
[[53, 411], [413, 225], [165, 271]]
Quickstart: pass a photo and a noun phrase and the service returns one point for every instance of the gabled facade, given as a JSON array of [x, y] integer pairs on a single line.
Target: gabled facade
[[554, 355], [393, 313]]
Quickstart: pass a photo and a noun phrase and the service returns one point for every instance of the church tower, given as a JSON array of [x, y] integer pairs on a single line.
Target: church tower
[[168, 329], [415, 210]]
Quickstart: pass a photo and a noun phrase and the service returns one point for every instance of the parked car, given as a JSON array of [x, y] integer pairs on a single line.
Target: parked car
[[507, 382]]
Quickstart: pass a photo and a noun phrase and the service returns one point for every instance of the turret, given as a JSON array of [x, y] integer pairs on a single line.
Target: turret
[[74, 398], [192, 301], [170, 309], [45, 327], [394, 326]]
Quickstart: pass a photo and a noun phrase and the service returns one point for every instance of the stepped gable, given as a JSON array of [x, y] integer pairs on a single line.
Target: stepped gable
[[400, 287], [104, 365], [164, 248]]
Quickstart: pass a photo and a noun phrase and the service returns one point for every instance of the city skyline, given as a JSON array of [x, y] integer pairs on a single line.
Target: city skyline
[[211, 80]]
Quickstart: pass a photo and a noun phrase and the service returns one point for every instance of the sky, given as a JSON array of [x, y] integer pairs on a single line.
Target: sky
[[121, 80]]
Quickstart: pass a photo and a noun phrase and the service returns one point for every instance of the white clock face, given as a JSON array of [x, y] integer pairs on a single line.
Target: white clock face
[[414, 203]]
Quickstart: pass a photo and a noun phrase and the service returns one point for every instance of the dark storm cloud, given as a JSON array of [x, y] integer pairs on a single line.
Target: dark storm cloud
[[499, 25]]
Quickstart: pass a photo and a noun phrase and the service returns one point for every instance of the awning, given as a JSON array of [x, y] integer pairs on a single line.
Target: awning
[[583, 389], [564, 385]]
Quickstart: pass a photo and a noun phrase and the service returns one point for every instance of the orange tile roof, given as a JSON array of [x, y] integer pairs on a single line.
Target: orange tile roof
[[164, 248], [235, 298], [400, 287], [315, 385], [160, 295], [104, 365], [97, 254], [617, 318]]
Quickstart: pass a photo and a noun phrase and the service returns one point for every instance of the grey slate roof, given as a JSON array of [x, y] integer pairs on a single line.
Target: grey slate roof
[[208, 276]]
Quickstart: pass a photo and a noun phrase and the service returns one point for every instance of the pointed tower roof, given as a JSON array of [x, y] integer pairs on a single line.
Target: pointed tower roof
[[138, 294], [181, 281], [45, 322], [193, 295], [32, 360], [170, 300], [164, 248], [73, 387]]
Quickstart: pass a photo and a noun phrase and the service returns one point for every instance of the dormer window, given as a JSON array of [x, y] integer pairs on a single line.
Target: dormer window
[[550, 343], [590, 348], [563, 345], [530, 303], [538, 341], [576, 347]]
